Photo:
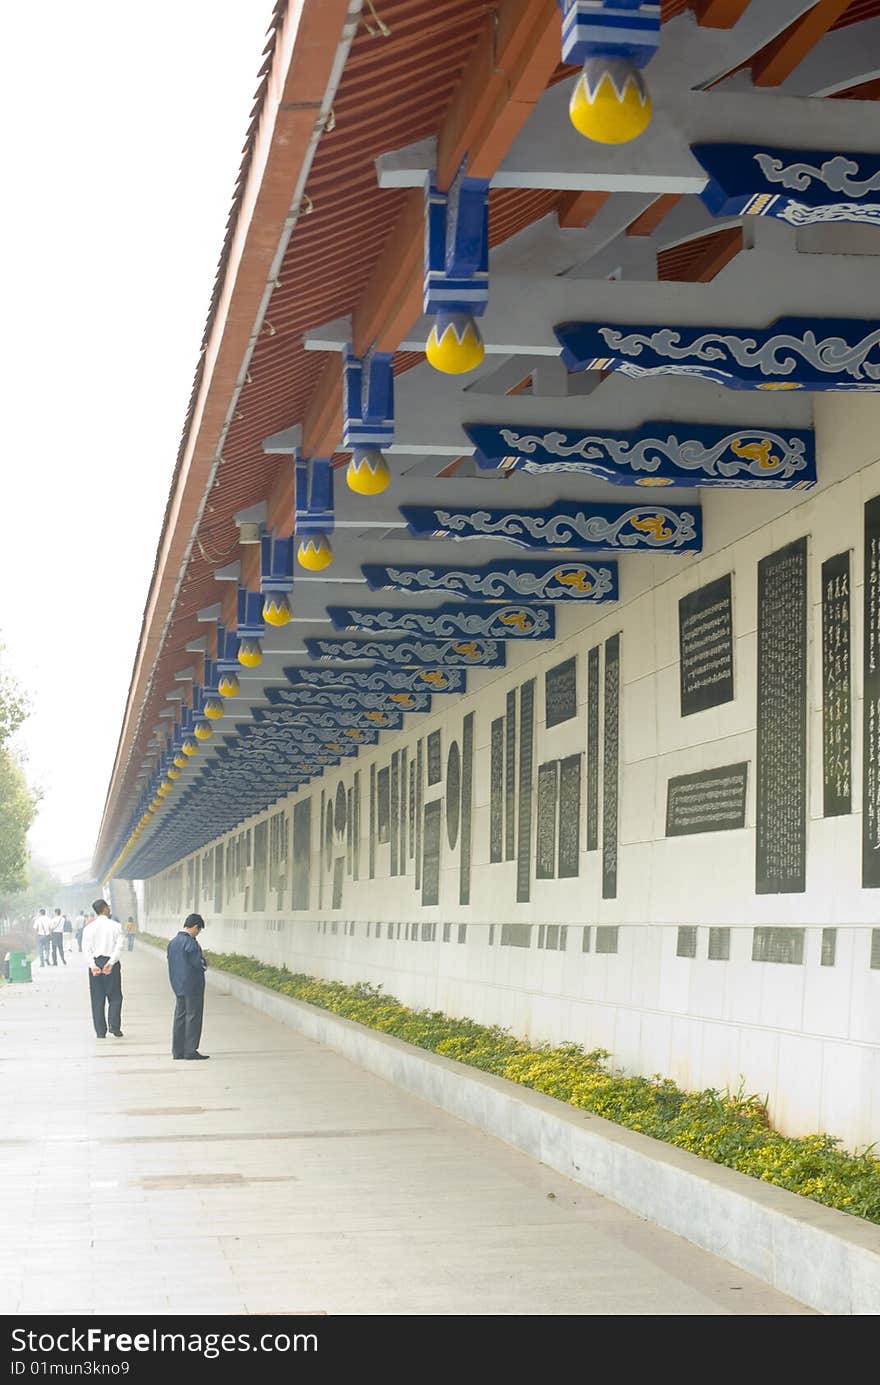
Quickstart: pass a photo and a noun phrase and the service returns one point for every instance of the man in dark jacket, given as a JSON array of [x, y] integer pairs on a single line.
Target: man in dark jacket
[[186, 972]]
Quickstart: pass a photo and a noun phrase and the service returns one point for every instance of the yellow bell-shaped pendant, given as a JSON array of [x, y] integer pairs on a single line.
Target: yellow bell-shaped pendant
[[228, 686], [368, 472], [277, 609], [203, 731], [314, 553], [213, 708], [189, 747], [250, 654], [454, 344], [610, 102]]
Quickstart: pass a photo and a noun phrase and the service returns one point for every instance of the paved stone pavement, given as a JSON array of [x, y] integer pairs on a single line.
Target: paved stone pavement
[[279, 1177]]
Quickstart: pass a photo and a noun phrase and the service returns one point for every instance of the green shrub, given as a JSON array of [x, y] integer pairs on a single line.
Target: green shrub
[[730, 1128]]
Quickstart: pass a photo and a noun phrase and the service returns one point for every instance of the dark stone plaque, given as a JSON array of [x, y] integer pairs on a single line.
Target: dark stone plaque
[[593, 749], [836, 676], [338, 874], [372, 822], [713, 800], [356, 829], [321, 854], [302, 853], [435, 769], [569, 817], [383, 805], [394, 821], [420, 779], [349, 832], [328, 837], [339, 811], [510, 779], [545, 848], [871, 704], [412, 808], [526, 770], [401, 859], [611, 768], [467, 797], [496, 793], [781, 766], [705, 628], [453, 792], [431, 857], [560, 692]]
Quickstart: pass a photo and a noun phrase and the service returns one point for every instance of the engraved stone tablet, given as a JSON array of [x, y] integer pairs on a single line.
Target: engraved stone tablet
[[545, 850], [781, 765], [372, 822], [560, 692], [836, 676], [871, 704], [524, 819], [339, 810], [383, 805], [338, 872], [435, 770], [412, 808], [496, 792], [713, 800], [420, 779], [705, 626], [611, 768], [394, 816], [431, 857], [302, 850], [510, 779], [569, 817], [453, 792], [593, 749], [467, 798]]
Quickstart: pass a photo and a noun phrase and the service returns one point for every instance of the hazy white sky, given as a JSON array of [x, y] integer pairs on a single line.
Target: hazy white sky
[[122, 134]]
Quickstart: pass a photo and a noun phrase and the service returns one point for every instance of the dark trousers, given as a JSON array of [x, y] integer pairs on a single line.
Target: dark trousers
[[106, 990], [45, 942], [58, 948], [187, 1028]]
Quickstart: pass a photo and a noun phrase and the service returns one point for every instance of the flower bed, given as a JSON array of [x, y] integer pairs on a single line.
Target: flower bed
[[729, 1128]]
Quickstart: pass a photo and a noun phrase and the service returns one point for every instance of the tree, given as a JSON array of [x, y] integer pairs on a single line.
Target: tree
[[17, 804], [13, 704], [18, 808]]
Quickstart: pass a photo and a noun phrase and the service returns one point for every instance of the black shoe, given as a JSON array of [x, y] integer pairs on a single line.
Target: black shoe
[[117, 1033], [195, 1057]]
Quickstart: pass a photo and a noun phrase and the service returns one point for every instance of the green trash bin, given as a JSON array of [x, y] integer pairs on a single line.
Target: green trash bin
[[19, 966]]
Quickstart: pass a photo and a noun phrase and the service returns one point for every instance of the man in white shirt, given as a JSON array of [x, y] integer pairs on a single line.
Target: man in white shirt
[[58, 922], [43, 930], [102, 947]]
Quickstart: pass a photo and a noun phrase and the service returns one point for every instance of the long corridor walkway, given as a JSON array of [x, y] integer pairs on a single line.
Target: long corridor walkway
[[280, 1178]]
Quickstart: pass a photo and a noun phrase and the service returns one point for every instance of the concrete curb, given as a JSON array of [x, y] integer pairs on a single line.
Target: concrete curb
[[814, 1254]]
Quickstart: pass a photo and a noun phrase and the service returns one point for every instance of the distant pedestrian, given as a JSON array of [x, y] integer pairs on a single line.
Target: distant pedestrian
[[186, 972], [102, 946], [58, 938], [79, 928], [131, 929], [43, 930]]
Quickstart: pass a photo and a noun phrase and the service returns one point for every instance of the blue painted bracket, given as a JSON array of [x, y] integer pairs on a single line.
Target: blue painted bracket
[[798, 186], [610, 28], [501, 621], [507, 579], [657, 454], [313, 498], [589, 526], [250, 615], [386, 680], [792, 353], [412, 653], [368, 395], [457, 247], [276, 564]]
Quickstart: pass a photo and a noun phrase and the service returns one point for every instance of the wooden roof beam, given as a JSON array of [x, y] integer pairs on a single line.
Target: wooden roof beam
[[506, 76], [779, 59]]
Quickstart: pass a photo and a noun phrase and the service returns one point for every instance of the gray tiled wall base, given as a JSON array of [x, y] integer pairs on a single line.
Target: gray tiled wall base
[[820, 1257]]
